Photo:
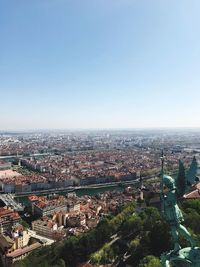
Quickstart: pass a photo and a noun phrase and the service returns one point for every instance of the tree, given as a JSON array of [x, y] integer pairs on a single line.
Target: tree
[[191, 204], [60, 263], [132, 226], [134, 244], [192, 172], [181, 180], [150, 261]]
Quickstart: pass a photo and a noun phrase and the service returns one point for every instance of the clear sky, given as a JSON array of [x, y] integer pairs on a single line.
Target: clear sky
[[99, 64]]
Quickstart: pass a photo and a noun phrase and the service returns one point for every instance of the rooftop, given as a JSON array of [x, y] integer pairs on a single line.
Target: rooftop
[[22, 251]]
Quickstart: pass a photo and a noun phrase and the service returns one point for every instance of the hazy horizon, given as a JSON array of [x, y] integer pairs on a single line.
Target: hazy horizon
[[118, 64], [100, 129]]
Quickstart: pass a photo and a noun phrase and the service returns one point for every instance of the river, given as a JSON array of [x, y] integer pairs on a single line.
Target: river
[[79, 192]]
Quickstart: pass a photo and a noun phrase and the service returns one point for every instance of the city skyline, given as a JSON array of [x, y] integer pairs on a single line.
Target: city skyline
[[99, 64]]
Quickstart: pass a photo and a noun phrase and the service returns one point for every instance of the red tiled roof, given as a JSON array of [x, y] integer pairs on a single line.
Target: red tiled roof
[[21, 251], [193, 195]]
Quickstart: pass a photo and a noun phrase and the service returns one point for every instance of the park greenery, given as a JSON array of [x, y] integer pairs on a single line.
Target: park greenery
[[132, 237]]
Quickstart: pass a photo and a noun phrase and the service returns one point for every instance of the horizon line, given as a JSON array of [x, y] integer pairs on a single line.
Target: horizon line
[[97, 129]]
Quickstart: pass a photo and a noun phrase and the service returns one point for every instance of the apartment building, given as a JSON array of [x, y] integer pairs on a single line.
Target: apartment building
[[8, 219], [45, 227]]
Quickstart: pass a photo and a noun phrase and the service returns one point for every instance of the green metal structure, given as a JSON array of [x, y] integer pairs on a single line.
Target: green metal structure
[[170, 192]]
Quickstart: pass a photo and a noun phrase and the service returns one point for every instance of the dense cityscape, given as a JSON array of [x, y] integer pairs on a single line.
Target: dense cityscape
[[44, 161], [42, 175]]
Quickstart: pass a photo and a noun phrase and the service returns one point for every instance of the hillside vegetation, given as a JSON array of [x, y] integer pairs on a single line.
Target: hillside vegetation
[[126, 239]]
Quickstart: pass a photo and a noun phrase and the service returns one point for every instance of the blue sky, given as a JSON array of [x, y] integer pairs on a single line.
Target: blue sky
[[99, 64]]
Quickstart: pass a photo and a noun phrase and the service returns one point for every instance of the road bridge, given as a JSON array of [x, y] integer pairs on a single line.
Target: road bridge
[[9, 201]]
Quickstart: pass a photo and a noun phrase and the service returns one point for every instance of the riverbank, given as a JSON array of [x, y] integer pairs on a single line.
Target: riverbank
[[75, 188], [81, 190]]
